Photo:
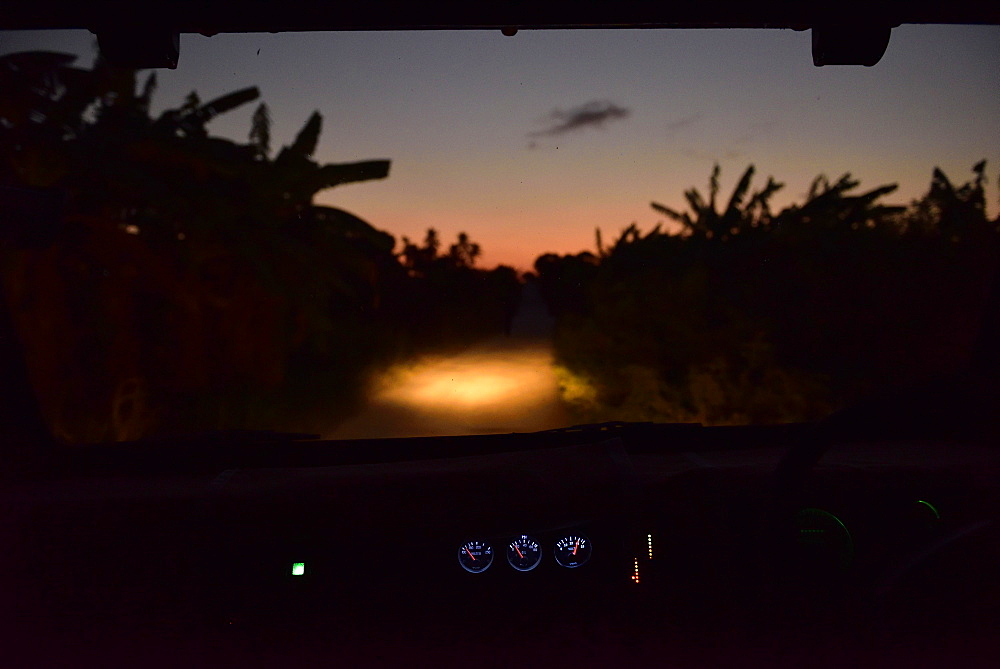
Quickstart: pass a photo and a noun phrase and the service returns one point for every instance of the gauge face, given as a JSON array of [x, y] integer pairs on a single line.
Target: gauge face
[[524, 553], [823, 539], [924, 513], [475, 556], [573, 551]]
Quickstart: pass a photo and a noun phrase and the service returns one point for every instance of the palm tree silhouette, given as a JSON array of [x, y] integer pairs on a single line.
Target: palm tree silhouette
[[704, 221]]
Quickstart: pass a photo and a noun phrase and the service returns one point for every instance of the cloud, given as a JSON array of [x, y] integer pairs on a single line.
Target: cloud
[[593, 114]]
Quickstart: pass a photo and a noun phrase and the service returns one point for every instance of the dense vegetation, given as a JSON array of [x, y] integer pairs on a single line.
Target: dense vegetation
[[743, 315], [165, 280]]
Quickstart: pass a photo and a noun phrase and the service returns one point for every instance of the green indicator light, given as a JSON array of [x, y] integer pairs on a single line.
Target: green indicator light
[[931, 507], [298, 568]]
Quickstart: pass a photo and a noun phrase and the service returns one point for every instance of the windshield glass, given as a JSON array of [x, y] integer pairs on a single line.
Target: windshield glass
[[428, 233]]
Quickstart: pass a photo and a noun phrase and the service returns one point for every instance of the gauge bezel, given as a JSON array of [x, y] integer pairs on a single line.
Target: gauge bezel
[[837, 546], [485, 545], [538, 548], [566, 537]]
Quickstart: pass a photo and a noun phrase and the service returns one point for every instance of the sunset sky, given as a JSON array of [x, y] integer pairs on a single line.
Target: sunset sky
[[530, 142]]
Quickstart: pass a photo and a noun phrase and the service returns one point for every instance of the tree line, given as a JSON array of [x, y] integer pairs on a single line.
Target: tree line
[[165, 280], [740, 314]]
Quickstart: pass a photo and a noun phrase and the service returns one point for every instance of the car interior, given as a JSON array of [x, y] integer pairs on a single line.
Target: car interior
[[869, 536]]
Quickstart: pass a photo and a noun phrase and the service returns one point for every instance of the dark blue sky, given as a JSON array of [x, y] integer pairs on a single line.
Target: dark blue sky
[[463, 115]]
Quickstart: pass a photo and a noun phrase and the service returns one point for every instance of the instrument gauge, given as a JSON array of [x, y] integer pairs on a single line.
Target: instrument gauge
[[475, 556], [524, 553], [573, 551], [822, 540]]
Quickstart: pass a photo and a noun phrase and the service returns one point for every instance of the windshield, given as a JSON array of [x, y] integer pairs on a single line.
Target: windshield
[[429, 233]]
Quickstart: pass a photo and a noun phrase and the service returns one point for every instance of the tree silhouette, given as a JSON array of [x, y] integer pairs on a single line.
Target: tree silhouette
[[191, 103], [420, 259], [174, 239], [464, 252], [260, 131], [308, 137], [798, 313], [830, 206], [704, 221], [148, 90], [88, 131], [953, 212]]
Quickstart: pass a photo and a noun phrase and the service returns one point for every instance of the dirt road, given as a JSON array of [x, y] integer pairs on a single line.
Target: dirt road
[[506, 384]]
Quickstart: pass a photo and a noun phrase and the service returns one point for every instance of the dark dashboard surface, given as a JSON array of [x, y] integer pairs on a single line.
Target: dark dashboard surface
[[883, 552]]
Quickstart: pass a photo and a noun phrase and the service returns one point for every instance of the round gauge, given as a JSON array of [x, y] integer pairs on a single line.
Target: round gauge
[[573, 551], [924, 512], [524, 553], [822, 539], [475, 556]]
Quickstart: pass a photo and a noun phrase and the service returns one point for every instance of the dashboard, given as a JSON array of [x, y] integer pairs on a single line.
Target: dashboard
[[600, 547]]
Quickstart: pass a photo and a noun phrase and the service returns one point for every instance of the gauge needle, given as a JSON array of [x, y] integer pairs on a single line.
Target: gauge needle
[[576, 546], [519, 553], [470, 554]]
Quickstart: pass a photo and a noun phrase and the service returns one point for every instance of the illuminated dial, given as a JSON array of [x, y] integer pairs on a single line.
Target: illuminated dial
[[573, 550], [923, 514], [524, 553], [822, 539], [475, 556]]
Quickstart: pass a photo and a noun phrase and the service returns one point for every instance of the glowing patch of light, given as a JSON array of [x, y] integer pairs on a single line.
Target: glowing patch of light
[[497, 386], [575, 389], [649, 545], [473, 387], [484, 379], [132, 229], [635, 571], [298, 568]]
